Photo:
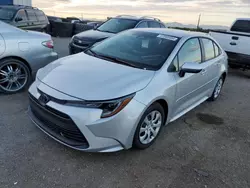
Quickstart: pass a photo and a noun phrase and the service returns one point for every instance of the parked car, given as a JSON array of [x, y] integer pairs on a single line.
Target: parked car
[[86, 39], [24, 17], [94, 24], [22, 53], [54, 18], [120, 92], [236, 43]]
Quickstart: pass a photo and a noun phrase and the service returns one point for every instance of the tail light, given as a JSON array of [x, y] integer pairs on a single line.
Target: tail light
[[48, 44]]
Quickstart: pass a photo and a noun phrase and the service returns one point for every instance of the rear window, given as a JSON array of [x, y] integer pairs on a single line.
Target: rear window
[[241, 26], [154, 25], [117, 25], [31, 15], [6, 13], [40, 15]]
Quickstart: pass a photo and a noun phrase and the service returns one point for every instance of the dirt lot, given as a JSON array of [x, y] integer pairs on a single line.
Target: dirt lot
[[208, 147]]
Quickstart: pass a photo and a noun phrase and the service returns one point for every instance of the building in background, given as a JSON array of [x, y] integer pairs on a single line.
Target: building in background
[[16, 2]]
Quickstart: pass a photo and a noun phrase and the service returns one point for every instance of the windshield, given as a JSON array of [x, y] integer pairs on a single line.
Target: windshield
[[117, 25], [6, 14], [139, 49]]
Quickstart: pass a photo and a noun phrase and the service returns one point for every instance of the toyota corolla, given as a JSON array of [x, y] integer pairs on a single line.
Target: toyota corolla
[[121, 92]]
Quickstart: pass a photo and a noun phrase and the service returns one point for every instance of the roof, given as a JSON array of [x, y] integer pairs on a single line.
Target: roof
[[139, 18], [173, 32], [245, 19], [16, 7]]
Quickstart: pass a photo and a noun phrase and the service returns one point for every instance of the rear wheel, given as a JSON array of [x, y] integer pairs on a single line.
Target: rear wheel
[[217, 89], [149, 126], [14, 76]]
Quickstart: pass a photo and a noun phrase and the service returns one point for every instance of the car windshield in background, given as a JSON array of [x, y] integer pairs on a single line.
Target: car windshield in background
[[116, 25], [6, 13], [145, 50]]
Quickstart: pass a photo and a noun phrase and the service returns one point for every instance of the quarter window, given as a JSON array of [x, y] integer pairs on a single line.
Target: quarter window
[[208, 49], [190, 52], [22, 14], [142, 25]]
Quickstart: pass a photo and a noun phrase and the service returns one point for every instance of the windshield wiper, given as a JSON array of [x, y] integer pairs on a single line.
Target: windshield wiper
[[119, 61], [106, 31]]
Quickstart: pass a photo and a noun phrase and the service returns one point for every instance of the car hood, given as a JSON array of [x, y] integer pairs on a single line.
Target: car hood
[[90, 78], [94, 35]]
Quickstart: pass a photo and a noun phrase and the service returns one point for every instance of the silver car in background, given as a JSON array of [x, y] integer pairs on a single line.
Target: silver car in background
[[22, 53], [121, 92]]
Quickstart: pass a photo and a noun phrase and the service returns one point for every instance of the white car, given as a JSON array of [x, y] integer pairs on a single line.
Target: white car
[[236, 43], [121, 92]]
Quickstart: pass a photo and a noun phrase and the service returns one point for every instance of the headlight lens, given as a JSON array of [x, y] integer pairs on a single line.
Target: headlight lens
[[109, 108]]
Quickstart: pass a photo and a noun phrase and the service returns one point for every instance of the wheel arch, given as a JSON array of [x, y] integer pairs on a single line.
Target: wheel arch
[[165, 107], [20, 59]]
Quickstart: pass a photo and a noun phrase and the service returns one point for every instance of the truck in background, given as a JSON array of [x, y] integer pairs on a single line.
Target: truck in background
[[16, 2], [236, 43]]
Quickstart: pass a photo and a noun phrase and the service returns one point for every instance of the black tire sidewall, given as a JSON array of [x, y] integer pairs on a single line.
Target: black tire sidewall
[[6, 61], [136, 142]]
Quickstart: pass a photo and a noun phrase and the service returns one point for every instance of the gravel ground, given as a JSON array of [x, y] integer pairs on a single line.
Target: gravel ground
[[208, 147]]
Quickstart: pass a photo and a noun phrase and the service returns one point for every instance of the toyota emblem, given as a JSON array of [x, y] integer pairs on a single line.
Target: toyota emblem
[[44, 99]]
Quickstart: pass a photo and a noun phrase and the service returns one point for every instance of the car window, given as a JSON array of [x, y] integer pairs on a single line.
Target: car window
[[142, 25], [152, 24], [31, 15], [190, 52], [139, 48], [162, 25], [216, 50], [116, 25], [22, 14], [6, 13], [40, 15], [208, 49], [241, 26]]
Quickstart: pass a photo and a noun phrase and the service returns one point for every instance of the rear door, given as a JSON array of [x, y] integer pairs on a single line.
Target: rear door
[[212, 62], [42, 18], [32, 20], [21, 19]]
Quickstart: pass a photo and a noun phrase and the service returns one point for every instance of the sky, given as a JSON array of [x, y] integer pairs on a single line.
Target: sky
[[213, 12]]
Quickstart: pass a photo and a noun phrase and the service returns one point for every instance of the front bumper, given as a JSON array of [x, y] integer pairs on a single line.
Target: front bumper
[[241, 60], [102, 135]]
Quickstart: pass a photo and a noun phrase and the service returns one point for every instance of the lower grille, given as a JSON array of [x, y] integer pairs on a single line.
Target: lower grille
[[57, 124]]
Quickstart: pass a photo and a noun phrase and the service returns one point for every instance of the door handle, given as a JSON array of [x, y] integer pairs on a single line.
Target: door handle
[[203, 71], [233, 43], [235, 38]]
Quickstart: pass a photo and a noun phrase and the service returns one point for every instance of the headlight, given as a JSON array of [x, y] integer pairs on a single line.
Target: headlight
[[110, 107]]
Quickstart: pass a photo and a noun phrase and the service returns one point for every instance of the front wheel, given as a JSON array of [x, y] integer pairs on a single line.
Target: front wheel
[[14, 76], [217, 89], [149, 126]]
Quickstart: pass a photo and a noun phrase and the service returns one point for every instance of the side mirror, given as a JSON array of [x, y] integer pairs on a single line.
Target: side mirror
[[190, 67], [18, 19]]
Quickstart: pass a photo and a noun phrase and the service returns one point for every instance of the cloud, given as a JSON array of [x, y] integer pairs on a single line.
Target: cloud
[[221, 12]]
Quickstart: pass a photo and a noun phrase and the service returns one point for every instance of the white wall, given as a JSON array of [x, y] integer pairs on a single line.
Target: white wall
[[23, 2]]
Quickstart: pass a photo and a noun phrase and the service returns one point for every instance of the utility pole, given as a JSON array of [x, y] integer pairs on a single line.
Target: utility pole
[[198, 25]]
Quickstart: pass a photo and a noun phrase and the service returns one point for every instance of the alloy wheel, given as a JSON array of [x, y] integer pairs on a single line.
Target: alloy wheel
[[13, 77], [150, 127], [218, 88]]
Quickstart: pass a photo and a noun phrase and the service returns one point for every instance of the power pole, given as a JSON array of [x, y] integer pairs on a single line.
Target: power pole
[[198, 25]]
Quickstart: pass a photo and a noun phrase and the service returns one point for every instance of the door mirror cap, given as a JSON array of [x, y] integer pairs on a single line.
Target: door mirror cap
[[18, 19], [190, 67]]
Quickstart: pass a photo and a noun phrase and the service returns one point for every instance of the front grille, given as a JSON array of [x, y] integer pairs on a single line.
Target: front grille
[[57, 124]]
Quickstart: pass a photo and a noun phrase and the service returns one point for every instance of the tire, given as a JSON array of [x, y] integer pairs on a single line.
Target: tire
[[144, 130], [217, 89], [15, 76]]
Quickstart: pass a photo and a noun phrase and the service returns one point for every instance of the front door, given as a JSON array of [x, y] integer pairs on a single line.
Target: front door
[[190, 88]]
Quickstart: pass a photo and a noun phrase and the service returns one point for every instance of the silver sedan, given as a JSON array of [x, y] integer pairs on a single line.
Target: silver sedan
[[122, 91], [22, 53]]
